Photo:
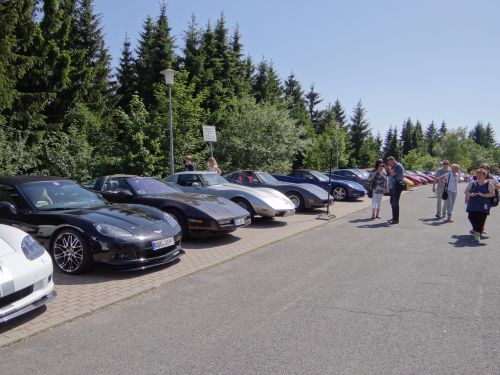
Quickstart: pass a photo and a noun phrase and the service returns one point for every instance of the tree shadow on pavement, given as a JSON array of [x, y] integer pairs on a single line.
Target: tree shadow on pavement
[[465, 240]]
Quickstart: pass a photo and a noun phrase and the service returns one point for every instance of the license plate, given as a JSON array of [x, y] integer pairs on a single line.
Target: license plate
[[164, 242], [239, 221]]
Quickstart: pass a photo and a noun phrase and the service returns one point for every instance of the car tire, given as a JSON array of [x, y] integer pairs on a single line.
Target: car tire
[[243, 203], [339, 193], [181, 220], [71, 252], [297, 199]]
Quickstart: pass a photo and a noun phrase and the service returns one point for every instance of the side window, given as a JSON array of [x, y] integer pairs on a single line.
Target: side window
[[90, 184], [308, 176], [187, 179], [115, 185], [10, 194]]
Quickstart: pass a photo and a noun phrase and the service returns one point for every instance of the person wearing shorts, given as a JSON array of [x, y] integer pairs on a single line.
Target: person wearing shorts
[[379, 187]]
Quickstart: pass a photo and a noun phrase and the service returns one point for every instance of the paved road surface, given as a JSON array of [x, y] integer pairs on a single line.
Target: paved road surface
[[352, 297]]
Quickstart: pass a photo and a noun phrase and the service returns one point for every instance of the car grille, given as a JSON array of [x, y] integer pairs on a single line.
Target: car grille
[[16, 296]]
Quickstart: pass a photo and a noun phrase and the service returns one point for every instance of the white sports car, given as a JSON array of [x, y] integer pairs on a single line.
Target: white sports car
[[25, 274], [260, 201]]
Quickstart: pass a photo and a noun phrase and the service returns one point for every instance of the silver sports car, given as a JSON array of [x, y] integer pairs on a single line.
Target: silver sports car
[[258, 201]]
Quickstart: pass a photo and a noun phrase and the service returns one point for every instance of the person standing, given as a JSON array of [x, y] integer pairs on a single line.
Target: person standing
[[396, 174], [440, 187], [212, 165], [477, 199], [451, 181], [188, 163], [379, 186]]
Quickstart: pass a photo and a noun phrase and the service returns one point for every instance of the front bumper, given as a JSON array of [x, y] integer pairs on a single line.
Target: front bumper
[[317, 203], [33, 301], [134, 254], [220, 226]]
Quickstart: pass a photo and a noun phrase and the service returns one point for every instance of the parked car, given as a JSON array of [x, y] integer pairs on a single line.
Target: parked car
[[79, 228], [356, 175], [417, 181], [195, 213], [264, 202], [26, 281], [302, 195], [428, 179], [340, 189]]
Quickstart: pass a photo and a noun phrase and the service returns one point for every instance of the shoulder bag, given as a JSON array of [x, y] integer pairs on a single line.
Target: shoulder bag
[[444, 196]]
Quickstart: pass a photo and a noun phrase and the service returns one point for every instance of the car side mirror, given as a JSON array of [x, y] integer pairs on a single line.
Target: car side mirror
[[125, 193], [7, 208], [196, 185]]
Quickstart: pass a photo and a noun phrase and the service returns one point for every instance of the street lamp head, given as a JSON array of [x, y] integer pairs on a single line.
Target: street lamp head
[[169, 76]]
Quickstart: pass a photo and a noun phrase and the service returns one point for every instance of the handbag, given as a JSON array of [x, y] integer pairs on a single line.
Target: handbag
[[444, 196], [494, 199]]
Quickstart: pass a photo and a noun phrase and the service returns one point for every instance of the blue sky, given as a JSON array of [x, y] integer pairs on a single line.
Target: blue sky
[[428, 60]]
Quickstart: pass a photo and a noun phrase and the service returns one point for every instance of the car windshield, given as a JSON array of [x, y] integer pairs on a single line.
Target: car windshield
[[266, 177], [210, 179], [320, 176], [151, 186], [361, 173], [59, 195]]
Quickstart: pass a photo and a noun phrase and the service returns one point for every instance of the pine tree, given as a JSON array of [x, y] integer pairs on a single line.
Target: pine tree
[[144, 61], [418, 141], [443, 130], [478, 134], [126, 76], [431, 138], [313, 99], [339, 113], [407, 137], [266, 86], [490, 136], [359, 132]]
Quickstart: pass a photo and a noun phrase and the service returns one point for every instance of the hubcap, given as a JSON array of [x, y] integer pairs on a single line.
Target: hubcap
[[68, 252], [339, 193], [295, 200]]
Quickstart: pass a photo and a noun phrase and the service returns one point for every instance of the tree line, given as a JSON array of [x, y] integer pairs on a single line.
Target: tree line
[[64, 112]]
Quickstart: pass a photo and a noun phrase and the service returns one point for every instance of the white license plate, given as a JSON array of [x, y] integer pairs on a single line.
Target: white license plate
[[164, 242], [239, 221]]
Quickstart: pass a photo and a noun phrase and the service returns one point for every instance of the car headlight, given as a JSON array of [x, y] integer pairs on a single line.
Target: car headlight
[[112, 231], [170, 219], [31, 248]]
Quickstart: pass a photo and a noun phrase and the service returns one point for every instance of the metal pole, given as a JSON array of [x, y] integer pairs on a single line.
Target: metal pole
[[337, 143], [211, 151], [171, 131]]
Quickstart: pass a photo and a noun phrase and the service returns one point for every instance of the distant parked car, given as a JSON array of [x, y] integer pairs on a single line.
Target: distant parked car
[[302, 195], [195, 213], [260, 201], [356, 175], [26, 281], [340, 189], [79, 228]]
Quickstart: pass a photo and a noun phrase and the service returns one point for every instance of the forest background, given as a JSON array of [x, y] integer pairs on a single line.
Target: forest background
[[64, 112]]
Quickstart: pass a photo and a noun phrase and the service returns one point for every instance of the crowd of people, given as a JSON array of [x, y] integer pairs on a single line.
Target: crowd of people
[[480, 195]]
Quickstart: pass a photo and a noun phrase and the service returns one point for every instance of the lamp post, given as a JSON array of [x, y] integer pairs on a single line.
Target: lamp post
[[169, 80], [337, 142]]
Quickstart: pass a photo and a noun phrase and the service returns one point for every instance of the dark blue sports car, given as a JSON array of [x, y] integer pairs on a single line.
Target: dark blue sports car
[[340, 189]]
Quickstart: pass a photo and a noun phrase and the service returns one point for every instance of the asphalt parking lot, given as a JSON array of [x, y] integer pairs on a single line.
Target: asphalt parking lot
[[83, 294]]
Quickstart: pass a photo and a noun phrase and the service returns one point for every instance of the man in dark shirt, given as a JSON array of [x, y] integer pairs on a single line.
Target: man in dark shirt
[[188, 163], [395, 171]]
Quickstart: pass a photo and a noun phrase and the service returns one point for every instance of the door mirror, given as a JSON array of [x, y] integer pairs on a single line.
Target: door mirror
[[125, 193], [196, 185], [7, 209]]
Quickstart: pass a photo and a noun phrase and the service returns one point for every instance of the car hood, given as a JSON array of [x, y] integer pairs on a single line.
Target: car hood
[[217, 207], [311, 188], [129, 217], [5, 248], [267, 195], [351, 184]]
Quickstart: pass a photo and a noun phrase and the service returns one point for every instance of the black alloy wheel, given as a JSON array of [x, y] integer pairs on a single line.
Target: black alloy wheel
[[70, 252]]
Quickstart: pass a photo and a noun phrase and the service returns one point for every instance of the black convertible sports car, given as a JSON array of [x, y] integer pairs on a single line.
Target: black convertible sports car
[[78, 227], [195, 213]]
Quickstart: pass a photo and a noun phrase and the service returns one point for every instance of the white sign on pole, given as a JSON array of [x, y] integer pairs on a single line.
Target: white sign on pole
[[209, 133]]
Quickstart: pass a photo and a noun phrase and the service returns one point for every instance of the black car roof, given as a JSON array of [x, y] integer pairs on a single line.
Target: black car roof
[[17, 180]]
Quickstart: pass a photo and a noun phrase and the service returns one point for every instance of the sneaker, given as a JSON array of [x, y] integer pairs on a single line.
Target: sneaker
[[392, 222], [378, 217], [477, 236]]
